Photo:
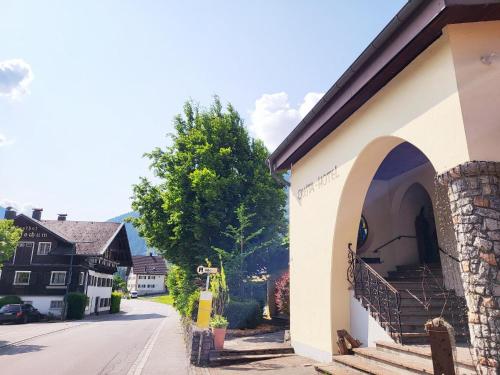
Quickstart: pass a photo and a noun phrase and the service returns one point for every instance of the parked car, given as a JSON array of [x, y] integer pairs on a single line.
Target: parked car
[[19, 313], [133, 294]]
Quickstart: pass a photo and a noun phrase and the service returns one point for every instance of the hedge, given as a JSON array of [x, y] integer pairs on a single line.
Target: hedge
[[7, 300], [192, 305], [116, 299], [243, 314], [76, 305]]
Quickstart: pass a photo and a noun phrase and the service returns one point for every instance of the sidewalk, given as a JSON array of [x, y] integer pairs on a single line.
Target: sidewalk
[[291, 365]]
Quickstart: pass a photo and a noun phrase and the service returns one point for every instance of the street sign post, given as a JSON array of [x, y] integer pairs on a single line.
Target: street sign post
[[205, 303]]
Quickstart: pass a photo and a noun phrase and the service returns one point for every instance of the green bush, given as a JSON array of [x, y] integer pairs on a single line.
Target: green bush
[[193, 304], [7, 300], [243, 314], [180, 287], [76, 305], [116, 299]]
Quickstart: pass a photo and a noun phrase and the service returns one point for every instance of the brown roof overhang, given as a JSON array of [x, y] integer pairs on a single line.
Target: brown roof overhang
[[412, 30]]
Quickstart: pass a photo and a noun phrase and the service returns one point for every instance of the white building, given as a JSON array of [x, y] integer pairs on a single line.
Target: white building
[[147, 275]]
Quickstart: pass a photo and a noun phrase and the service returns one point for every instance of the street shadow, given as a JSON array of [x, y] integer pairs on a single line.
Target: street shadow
[[19, 349], [108, 317]]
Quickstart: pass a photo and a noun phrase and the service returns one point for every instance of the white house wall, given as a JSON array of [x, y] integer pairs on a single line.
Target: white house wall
[[97, 291]]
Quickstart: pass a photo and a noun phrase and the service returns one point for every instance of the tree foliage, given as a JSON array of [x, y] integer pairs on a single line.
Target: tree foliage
[[119, 284], [9, 237], [242, 246], [211, 168]]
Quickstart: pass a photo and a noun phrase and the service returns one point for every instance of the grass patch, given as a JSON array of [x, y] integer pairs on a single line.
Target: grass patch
[[165, 299]]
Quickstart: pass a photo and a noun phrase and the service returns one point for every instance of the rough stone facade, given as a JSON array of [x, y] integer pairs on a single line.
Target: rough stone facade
[[474, 194]]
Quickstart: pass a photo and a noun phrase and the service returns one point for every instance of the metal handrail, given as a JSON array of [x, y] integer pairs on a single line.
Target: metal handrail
[[383, 300], [391, 241]]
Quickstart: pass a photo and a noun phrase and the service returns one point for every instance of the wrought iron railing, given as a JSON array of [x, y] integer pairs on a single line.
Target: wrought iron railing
[[381, 299]]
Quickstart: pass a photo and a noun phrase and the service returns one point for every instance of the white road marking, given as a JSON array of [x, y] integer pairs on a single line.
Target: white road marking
[[141, 360]]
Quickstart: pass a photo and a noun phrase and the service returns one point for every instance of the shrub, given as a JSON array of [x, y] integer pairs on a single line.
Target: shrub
[[218, 321], [116, 299], [7, 300], [243, 314], [282, 294], [193, 304], [76, 303], [180, 288]]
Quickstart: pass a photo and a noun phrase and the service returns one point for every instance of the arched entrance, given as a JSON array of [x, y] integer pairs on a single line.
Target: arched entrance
[[390, 187]]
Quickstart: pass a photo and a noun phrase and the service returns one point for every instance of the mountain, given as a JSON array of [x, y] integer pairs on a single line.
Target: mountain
[[137, 243], [2, 212]]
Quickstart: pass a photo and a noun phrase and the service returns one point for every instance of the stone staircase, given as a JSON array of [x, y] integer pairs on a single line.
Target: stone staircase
[[424, 297], [390, 359]]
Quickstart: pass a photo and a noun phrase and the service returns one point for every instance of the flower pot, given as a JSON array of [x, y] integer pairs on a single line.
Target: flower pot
[[219, 336]]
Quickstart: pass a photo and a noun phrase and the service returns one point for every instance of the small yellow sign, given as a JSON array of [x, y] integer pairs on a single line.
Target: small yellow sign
[[204, 309]]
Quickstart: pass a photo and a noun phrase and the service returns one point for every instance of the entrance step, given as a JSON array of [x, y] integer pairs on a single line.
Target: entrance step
[[228, 357], [388, 358], [364, 365], [415, 364], [463, 362], [337, 369], [420, 267]]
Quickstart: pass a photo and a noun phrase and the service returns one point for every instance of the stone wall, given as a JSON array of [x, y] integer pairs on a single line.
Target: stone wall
[[199, 343], [474, 194]]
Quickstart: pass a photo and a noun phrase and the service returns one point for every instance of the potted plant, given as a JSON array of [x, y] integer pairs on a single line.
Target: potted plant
[[219, 325]]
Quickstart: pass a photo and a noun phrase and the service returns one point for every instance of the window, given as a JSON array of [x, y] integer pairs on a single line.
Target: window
[[58, 278], [362, 232], [56, 304], [44, 248], [22, 278], [81, 278]]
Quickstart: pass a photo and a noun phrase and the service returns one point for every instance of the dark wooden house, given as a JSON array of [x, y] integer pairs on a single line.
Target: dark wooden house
[[56, 257]]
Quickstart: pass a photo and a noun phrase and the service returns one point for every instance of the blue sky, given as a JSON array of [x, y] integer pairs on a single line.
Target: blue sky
[[97, 83]]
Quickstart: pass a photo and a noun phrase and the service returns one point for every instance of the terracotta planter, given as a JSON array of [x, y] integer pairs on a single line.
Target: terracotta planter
[[219, 336]]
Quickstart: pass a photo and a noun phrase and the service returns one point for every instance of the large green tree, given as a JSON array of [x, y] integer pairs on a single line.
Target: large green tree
[[211, 168], [9, 237]]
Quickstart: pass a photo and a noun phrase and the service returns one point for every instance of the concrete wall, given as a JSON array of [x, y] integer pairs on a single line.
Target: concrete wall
[[42, 303], [478, 85], [364, 327], [422, 100]]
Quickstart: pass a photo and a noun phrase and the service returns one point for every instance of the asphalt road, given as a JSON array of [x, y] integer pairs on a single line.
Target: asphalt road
[[145, 340]]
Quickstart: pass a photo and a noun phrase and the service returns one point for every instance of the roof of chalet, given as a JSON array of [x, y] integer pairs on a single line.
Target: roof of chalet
[[418, 24], [149, 265], [89, 237]]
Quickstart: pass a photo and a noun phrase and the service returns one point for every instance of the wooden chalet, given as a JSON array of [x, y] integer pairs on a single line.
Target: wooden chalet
[[56, 257]]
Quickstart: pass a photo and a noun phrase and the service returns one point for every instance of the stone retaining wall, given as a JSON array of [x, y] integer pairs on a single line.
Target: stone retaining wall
[[199, 343]]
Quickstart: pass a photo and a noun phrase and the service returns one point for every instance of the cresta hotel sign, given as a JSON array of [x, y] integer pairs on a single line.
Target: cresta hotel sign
[[318, 183], [32, 232]]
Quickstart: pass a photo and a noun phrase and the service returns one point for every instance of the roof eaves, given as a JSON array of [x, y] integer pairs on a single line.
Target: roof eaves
[[373, 48], [108, 243]]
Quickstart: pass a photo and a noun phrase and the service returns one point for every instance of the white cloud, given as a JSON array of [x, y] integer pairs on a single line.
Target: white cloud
[[15, 77], [4, 141], [20, 208], [273, 118]]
